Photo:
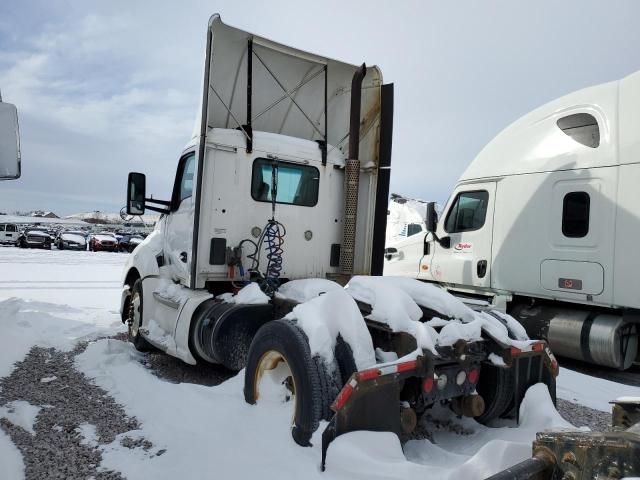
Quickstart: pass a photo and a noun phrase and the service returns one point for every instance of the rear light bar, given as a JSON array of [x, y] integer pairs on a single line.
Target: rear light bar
[[369, 374], [534, 347]]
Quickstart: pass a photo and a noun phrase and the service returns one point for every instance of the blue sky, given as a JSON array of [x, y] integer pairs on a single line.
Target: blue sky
[[103, 88]]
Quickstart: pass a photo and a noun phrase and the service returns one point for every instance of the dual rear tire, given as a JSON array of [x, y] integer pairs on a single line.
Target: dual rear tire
[[313, 383]]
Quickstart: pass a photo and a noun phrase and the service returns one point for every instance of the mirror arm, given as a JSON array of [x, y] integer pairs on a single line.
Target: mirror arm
[[159, 202], [435, 237], [157, 209]]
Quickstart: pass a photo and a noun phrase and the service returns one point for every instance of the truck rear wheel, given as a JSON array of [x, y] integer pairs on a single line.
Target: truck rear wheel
[[497, 388], [134, 321], [280, 351]]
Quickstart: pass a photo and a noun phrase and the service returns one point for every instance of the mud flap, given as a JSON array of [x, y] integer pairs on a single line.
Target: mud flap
[[535, 366], [372, 406]]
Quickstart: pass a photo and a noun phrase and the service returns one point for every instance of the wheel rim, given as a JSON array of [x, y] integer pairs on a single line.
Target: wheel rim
[[274, 381], [134, 316]]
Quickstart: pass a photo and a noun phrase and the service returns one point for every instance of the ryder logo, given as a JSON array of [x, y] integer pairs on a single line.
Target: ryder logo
[[463, 247]]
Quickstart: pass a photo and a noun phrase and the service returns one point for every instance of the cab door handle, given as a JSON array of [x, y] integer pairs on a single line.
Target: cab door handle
[[481, 268]]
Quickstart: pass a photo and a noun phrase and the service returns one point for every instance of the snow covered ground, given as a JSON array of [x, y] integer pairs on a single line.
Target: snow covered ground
[[57, 299]]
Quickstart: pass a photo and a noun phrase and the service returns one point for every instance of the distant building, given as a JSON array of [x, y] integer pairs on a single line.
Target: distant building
[[42, 214]]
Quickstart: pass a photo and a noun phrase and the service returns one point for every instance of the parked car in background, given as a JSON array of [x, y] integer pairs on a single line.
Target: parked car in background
[[129, 242], [32, 237], [8, 233], [103, 241], [71, 240]]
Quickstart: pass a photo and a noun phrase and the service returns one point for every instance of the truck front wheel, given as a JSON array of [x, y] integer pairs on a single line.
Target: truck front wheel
[[134, 321], [280, 367]]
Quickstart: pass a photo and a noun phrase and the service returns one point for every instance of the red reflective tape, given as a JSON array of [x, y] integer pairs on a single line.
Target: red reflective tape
[[368, 374], [427, 384], [537, 347], [343, 396], [406, 366]]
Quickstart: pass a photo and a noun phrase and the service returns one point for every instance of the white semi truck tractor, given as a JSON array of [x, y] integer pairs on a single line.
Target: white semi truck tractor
[[280, 200], [10, 162], [544, 224]]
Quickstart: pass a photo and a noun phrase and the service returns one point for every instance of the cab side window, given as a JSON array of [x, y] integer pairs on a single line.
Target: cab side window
[[183, 187], [575, 214], [468, 212], [11, 228]]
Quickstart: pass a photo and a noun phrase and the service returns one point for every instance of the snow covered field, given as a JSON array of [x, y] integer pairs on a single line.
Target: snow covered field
[[57, 299]]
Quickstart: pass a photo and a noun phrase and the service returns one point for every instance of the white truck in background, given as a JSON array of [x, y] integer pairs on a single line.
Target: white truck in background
[[10, 164], [544, 224]]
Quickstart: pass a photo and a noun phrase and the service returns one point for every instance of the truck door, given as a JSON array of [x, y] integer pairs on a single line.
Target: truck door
[[179, 224], [468, 222], [402, 257]]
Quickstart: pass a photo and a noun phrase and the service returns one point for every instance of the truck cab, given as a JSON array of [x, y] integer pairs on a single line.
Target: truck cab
[[544, 216], [285, 177]]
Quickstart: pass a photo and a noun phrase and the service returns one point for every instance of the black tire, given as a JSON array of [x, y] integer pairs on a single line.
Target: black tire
[[344, 358], [60, 246], [133, 330], [496, 386], [316, 384]]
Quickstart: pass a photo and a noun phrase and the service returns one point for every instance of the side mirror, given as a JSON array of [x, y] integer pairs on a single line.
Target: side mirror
[[10, 168], [136, 192], [432, 217]]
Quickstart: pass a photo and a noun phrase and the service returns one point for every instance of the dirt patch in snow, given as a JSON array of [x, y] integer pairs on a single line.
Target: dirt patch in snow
[[57, 448], [176, 371], [582, 416]]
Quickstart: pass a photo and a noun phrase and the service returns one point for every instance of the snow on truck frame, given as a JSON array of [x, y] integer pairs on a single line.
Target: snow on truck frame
[[271, 213], [544, 223]]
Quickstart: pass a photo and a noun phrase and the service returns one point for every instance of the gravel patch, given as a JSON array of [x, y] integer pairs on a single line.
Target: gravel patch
[[176, 371], [71, 405], [581, 416]]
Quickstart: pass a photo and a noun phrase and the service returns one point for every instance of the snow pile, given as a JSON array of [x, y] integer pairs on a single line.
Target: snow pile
[[157, 336], [27, 323], [251, 294], [480, 453], [306, 289], [429, 296], [22, 414], [88, 434], [454, 331], [513, 325], [327, 316], [395, 301], [172, 291]]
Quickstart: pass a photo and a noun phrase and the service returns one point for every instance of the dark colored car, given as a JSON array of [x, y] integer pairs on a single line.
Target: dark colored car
[[103, 242], [129, 242], [35, 238], [71, 240]]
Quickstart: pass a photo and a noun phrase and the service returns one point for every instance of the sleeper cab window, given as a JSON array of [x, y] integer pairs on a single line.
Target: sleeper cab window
[[295, 184], [468, 212], [575, 214], [581, 127]]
